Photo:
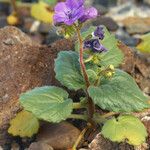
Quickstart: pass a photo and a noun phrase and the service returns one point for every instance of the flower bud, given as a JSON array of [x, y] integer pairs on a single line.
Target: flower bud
[[109, 74], [96, 60], [111, 67]]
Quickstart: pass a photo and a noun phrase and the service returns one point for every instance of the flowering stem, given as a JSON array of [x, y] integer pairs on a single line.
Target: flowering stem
[[91, 106], [83, 68]]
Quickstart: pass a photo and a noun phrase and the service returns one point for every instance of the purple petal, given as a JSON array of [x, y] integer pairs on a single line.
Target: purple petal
[[87, 44], [78, 13], [99, 32], [95, 45], [61, 7], [60, 10], [74, 16], [89, 13], [74, 4], [68, 12]]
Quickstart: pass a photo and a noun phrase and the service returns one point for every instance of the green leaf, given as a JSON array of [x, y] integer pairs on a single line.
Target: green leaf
[[125, 128], [92, 76], [114, 56], [119, 94], [144, 45], [25, 124], [49, 103], [67, 69], [88, 32]]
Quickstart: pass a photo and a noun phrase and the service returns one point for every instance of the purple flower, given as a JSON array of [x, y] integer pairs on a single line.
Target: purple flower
[[99, 32], [68, 12], [95, 45], [89, 13]]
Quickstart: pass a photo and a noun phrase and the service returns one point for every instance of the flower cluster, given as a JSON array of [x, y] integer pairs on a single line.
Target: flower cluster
[[73, 10], [94, 43]]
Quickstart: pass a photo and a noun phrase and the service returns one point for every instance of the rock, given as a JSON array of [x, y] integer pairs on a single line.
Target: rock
[[128, 9], [15, 68], [1, 148], [106, 3], [52, 36], [101, 9], [24, 11], [147, 2], [137, 67], [135, 25], [106, 21], [24, 65], [44, 28], [142, 74], [146, 122], [59, 136], [15, 146], [28, 24], [100, 143], [121, 2], [3, 21], [40, 146], [126, 38], [4, 8], [129, 60]]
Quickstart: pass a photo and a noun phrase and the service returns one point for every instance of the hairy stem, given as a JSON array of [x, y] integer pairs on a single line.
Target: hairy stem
[[83, 68], [91, 106]]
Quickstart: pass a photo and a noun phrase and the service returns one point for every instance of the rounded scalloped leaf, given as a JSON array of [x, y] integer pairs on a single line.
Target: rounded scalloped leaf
[[40, 12], [67, 69], [25, 124], [119, 94], [125, 128], [49, 103]]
